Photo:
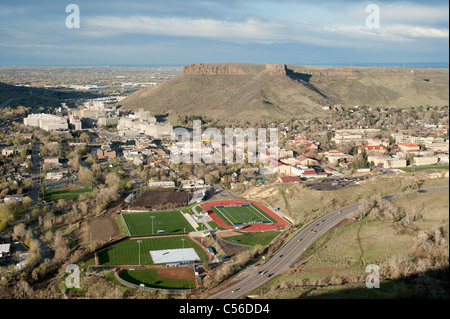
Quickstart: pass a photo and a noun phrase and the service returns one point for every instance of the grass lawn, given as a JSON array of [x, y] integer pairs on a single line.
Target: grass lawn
[[167, 221], [56, 194], [150, 278], [127, 253], [253, 239], [423, 168]]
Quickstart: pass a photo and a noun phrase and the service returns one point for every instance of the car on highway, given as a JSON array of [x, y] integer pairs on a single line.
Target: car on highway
[[262, 273], [234, 290]]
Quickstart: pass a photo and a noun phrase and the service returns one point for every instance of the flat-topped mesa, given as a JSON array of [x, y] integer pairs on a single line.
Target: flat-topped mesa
[[234, 69], [276, 69]]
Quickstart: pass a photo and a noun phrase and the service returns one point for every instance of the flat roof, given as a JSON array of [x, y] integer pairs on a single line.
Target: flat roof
[[4, 248]]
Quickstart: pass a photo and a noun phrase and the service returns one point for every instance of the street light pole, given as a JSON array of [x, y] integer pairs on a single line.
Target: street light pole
[[152, 217], [182, 239]]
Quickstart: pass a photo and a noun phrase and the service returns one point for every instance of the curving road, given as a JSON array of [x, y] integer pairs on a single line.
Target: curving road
[[256, 276]]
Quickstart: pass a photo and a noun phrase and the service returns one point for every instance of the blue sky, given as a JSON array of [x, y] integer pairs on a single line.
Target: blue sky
[[190, 31]]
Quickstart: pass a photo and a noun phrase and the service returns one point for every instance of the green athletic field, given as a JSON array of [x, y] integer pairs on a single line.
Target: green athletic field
[[242, 215], [150, 278], [170, 221], [56, 194], [127, 253]]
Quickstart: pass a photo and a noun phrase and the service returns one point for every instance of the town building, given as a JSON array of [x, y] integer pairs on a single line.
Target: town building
[[387, 162], [408, 147], [425, 160], [161, 184], [47, 122]]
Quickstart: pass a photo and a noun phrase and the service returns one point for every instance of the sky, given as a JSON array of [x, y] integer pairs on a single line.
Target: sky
[[181, 32]]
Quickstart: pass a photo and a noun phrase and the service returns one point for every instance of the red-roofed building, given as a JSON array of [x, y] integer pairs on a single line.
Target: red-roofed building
[[289, 179], [309, 174], [372, 149], [407, 147]]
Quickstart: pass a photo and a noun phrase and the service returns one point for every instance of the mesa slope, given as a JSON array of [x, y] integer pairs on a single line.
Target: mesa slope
[[260, 92]]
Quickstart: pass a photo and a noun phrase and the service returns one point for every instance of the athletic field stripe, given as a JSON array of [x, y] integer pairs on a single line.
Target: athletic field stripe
[[224, 215], [265, 217]]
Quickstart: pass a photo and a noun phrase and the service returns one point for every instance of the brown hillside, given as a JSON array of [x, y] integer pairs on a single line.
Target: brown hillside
[[260, 92]]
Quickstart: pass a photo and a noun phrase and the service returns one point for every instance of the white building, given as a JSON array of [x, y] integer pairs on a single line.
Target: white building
[[47, 122]]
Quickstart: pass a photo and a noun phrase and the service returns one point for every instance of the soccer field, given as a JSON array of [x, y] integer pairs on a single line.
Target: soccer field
[[127, 253], [242, 215], [151, 278], [168, 221]]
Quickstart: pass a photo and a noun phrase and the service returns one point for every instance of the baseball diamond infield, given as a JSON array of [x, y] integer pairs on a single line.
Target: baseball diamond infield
[[246, 216]]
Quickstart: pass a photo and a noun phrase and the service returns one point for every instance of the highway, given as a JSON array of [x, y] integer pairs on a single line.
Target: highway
[[256, 276]]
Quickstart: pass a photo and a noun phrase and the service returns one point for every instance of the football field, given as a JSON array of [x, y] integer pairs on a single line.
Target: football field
[[235, 215]]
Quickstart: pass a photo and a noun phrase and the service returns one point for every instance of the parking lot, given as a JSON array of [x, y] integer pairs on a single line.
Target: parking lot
[[336, 183]]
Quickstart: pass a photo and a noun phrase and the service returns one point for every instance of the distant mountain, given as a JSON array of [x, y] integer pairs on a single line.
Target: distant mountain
[[263, 92]]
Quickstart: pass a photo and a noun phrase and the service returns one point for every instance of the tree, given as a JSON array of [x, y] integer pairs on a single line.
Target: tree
[[19, 232], [86, 177], [85, 138]]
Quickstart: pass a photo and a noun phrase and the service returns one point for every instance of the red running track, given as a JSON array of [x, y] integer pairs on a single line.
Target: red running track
[[255, 227]]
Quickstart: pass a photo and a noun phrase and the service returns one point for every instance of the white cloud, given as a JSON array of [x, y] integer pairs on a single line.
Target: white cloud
[[390, 33], [250, 30]]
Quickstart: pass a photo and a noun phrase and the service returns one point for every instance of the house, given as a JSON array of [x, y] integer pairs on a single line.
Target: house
[[289, 179], [8, 151], [408, 147], [17, 198], [5, 250]]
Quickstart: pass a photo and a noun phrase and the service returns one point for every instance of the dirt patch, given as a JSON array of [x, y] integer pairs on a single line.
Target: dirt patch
[[161, 200], [176, 273], [100, 229], [225, 234]]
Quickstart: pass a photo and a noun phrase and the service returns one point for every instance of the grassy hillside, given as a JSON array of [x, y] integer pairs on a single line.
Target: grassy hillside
[[250, 92], [411, 259]]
